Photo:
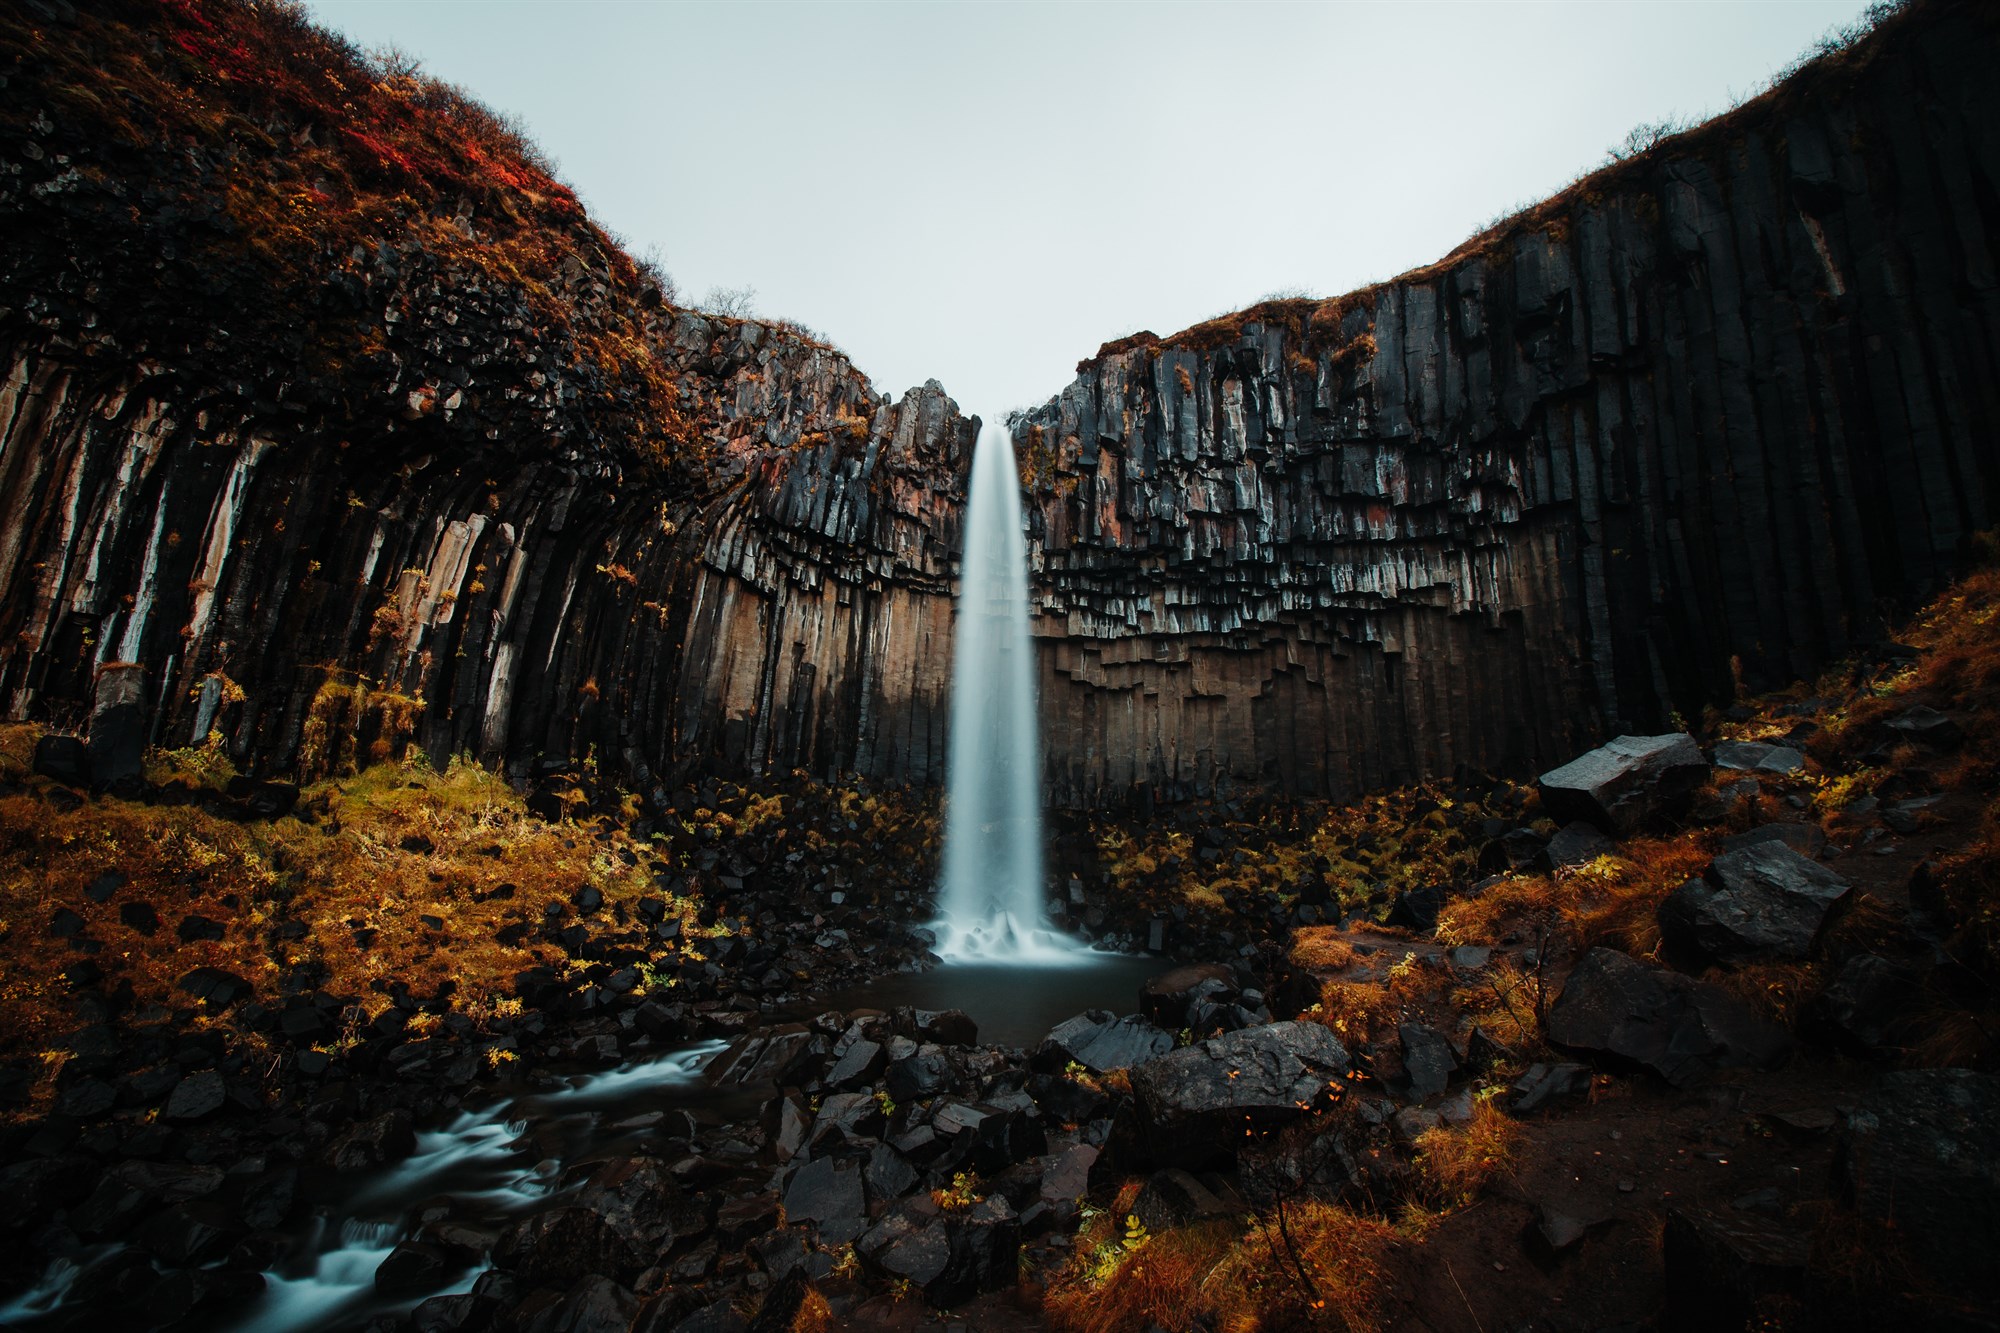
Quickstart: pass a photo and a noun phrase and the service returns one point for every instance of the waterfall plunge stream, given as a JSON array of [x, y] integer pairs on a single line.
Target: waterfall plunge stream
[[990, 903]]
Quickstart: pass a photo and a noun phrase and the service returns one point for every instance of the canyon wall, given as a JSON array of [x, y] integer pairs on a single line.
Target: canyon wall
[[1707, 416], [1703, 419]]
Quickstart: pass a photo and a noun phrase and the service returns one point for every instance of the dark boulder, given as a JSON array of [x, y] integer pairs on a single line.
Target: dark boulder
[[1726, 1270], [1174, 1198], [1757, 757], [1194, 1107], [829, 1193], [1681, 1029], [1761, 902], [950, 1255], [411, 1266], [1626, 784], [919, 1076], [118, 729], [1577, 843], [1428, 1061], [213, 988], [595, 1304], [1927, 727], [1871, 1005], [1418, 909], [197, 1097], [64, 758], [1099, 1041], [1921, 1157]]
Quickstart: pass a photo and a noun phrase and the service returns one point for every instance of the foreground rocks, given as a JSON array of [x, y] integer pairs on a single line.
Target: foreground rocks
[[1626, 784], [1684, 1030], [1758, 902], [1195, 1107]]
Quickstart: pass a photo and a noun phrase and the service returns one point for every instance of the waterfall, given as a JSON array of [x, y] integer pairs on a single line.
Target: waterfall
[[990, 903]]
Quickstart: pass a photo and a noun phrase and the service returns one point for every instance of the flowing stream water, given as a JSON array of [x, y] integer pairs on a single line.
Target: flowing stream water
[[990, 900]]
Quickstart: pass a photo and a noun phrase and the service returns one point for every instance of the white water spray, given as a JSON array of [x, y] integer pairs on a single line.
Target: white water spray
[[990, 904]]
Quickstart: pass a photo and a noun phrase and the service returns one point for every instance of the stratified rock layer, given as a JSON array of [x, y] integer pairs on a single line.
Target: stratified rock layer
[[1694, 420]]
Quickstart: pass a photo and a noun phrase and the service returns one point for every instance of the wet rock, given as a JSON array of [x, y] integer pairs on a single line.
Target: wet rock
[[1684, 1030], [411, 1266], [828, 1193], [1723, 1269], [846, 1119], [1626, 784], [386, 1138], [986, 1138], [888, 1176], [1764, 901], [197, 1097], [1428, 1061], [950, 1256], [858, 1065], [1194, 1106], [1575, 844], [1757, 757], [1099, 1042], [741, 1220], [1164, 999], [919, 1076], [945, 1027], [1921, 1157], [595, 1304]]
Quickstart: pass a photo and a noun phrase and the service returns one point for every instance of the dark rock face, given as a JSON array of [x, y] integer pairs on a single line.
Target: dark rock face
[[1721, 406], [1099, 1041], [1625, 784], [1764, 901], [1681, 1029], [1922, 1155], [1194, 1105]]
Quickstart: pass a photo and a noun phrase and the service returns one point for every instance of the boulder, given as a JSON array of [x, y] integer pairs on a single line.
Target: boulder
[[1626, 784], [1577, 843], [1193, 1107], [948, 1255], [64, 758], [411, 1266], [1427, 1060], [1099, 1042], [829, 1193], [118, 728], [1724, 1269], [1684, 1030], [1869, 1005], [1757, 757], [197, 1097], [1927, 727], [1921, 1157], [1174, 1198], [213, 988], [1761, 902]]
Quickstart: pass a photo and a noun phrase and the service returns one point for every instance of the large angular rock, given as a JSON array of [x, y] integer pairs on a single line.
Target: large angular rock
[[1626, 783], [828, 1193], [1760, 902], [1921, 1155], [1100, 1041], [1194, 1106], [949, 1256], [1870, 1007], [1681, 1029], [1721, 1267], [118, 728]]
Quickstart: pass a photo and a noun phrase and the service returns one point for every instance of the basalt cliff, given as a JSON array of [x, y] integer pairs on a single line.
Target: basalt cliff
[[331, 423]]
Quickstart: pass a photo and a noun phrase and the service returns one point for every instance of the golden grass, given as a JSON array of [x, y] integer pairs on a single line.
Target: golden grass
[[1311, 1265], [396, 844], [1456, 1163]]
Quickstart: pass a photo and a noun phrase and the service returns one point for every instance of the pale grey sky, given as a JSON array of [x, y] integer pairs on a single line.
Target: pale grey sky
[[983, 193]]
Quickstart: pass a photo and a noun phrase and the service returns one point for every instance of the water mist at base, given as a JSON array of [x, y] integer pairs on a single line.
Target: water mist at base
[[990, 901]]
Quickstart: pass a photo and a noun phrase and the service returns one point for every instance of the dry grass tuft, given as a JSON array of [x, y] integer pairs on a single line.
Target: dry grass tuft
[[1456, 1163]]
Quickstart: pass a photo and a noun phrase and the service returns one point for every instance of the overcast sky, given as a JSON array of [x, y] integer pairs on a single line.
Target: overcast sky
[[983, 193]]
